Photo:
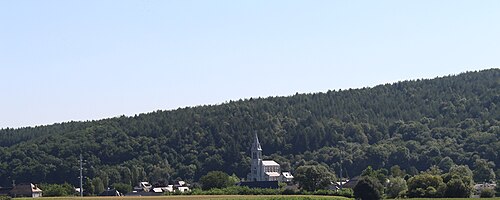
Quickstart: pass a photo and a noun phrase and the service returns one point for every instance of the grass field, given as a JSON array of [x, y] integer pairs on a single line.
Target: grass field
[[226, 197], [496, 198], [200, 197]]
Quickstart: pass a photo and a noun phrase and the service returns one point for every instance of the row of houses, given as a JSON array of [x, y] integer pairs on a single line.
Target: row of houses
[[143, 189], [147, 189]]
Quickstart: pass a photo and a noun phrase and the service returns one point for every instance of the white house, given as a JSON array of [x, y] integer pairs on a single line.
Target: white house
[[143, 186], [481, 186], [286, 177], [26, 190]]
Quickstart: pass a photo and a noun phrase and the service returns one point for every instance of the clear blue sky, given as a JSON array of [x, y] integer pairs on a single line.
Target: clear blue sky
[[82, 60]]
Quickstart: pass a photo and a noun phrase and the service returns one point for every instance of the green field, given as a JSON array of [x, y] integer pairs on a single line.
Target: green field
[[496, 198], [225, 197], [200, 197]]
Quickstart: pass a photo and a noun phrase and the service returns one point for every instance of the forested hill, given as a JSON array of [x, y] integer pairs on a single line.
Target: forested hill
[[414, 124]]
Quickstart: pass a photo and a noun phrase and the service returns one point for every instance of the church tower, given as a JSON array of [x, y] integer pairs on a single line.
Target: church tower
[[256, 173]]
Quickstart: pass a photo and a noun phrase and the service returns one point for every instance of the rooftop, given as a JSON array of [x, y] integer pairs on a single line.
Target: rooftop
[[287, 175], [269, 163], [273, 174]]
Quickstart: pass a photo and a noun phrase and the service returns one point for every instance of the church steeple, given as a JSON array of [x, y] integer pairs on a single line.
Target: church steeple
[[256, 169], [264, 170]]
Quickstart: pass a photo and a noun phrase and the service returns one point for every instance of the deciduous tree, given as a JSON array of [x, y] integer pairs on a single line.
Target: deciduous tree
[[313, 177], [368, 188], [215, 179]]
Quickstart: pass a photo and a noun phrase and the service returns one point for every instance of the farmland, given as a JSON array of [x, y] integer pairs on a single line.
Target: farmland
[[223, 197], [200, 197]]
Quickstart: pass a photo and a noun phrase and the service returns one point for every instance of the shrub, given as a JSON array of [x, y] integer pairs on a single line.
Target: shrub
[[313, 177], [426, 185], [497, 188], [56, 190], [288, 192], [458, 182], [216, 179], [244, 190], [5, 197], [324, 192], [487, 193], [123, 187], [368, 188], [345, 192], [396, 188], [455, 188]]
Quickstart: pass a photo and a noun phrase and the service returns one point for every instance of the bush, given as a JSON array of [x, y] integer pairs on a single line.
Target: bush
[[455, 188], [396, 188], [5, 197], [244, 190], [313, 177], [497, 188], [235, 190], [426, 186], [56, 190], [459, 183], [487, 193], [288, 192], [368, 188], [216, 179], [324, 192], [345, 192], [123, 187]]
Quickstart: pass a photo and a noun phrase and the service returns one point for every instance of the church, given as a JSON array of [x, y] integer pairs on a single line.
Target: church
[[265, 170]]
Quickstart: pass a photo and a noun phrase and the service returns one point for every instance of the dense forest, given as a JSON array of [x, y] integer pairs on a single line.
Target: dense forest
[[414, 124]]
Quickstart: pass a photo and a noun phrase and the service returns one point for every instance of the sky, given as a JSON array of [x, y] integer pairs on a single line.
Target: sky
[[91, 59]]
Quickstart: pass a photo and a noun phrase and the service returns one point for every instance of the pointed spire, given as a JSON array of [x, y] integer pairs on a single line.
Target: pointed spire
[[256, 138], [256, 143]]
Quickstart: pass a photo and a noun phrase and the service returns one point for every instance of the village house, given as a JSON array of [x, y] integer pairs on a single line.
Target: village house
[[478, 188], [143, 186], [26, 190], [286, 177], [146, 189]]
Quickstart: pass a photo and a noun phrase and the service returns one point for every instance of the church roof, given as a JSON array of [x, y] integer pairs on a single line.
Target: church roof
[[287, 175], [273, 174], [270, 163]]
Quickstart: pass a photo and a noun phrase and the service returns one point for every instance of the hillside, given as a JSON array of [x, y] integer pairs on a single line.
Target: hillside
[[414, 124]]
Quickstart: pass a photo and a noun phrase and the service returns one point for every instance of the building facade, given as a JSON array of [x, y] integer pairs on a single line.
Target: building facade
[[26, 190], [265, 170]]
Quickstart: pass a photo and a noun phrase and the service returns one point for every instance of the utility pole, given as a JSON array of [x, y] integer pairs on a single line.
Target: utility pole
[[341, 160], [81, 175]]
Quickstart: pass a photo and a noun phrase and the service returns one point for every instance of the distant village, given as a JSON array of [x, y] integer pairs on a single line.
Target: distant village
[[263, 174]]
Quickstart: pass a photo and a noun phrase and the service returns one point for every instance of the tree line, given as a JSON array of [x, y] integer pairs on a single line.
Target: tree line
[[415, 124]]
